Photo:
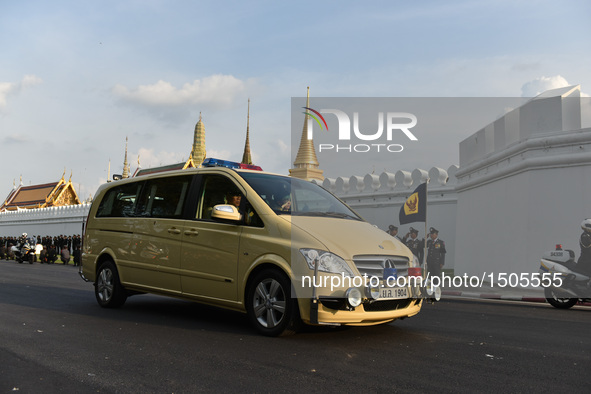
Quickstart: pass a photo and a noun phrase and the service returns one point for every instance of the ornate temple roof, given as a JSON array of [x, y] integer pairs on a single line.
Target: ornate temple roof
[[198, 152], [126, 168], [246, 157], [306, 163], [53, 194]]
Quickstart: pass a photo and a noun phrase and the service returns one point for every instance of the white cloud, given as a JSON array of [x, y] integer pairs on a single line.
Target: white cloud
[[217, 90], [13, 88], [30, 80], [149, 159], [6, 88], [15, 139], [283, 147], [540, 85]]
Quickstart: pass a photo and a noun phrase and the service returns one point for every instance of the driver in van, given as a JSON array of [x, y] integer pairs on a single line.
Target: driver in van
[[234, 197]]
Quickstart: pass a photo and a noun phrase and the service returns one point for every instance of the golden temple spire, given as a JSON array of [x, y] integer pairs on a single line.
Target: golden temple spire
[[198, 152], [125, 173], [306, 163], [246, 158]]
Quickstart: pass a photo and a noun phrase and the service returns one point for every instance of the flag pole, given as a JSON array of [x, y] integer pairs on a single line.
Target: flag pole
[[425, 239]]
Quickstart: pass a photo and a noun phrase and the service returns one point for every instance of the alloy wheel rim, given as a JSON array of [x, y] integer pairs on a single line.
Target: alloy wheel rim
[[269, 303], [105, 285]]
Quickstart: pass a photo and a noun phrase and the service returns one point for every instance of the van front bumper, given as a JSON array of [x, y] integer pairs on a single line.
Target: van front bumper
[[366, 314]]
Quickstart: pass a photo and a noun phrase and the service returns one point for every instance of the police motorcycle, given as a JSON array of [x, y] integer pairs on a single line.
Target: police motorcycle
[[24, 252], [563, 284]]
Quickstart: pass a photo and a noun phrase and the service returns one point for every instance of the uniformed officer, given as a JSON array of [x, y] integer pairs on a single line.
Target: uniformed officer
[[393, 231], [435, 253], [584, 262], [415, 244]]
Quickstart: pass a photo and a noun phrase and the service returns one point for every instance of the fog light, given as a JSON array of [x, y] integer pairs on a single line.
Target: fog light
[[353, 297], [372, 292], [429, 289], [437, 293]]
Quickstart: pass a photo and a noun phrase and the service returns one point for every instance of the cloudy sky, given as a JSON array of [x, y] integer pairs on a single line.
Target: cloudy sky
[[77, 77]]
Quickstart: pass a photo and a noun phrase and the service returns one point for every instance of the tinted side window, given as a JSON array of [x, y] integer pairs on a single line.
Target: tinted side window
[[164, 197], [119, 201], [218, 189]]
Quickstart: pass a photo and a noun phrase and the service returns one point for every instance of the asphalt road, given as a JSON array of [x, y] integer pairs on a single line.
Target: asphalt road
[[55, 338]]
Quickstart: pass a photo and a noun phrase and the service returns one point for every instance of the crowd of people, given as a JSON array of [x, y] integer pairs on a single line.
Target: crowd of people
[[48, 249]]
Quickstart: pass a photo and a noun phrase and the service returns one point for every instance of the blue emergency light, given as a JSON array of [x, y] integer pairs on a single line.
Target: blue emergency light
[[211, 162]]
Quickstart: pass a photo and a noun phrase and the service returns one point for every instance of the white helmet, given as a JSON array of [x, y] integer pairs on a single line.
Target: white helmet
[[25, 235], [586, 225]]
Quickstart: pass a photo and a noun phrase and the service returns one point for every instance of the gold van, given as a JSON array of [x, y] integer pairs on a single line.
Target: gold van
[[281, 249]]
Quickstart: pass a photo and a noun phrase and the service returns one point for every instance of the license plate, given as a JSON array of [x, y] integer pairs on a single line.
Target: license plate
[[393, 293]]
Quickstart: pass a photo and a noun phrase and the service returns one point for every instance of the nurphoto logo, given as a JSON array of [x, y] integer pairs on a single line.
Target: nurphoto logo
[[390, 125]]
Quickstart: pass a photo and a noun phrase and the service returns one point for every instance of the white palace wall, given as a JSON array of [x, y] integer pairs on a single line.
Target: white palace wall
[[66, 220], [524, 185]]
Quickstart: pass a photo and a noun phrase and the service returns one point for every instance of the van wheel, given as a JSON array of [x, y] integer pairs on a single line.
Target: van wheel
[[271, 309], [107, 289]]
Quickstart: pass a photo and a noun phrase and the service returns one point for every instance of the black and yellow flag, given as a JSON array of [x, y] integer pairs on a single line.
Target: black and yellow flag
[[415, 207]]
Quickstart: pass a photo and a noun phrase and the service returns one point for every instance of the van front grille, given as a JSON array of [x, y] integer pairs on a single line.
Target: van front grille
[[373, 265]]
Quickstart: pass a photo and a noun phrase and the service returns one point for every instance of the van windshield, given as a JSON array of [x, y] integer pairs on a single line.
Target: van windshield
[[292, 196]]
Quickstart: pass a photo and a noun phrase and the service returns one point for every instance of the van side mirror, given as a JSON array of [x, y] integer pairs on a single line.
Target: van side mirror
[[226, 212]]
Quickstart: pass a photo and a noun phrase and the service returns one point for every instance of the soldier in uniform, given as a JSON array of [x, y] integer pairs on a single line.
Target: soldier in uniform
[[435, 253], [584, 262], [393, 231], [416, 245]]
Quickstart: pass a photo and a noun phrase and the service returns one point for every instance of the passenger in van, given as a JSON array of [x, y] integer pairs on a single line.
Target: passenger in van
[[285, 203]]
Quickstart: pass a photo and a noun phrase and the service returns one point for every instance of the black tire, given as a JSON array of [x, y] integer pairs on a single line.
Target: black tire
[[107, 289], [560, 303], [269, 304]]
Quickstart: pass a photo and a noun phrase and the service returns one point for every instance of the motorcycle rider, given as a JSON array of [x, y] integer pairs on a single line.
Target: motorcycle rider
[[24, 243], [21, 247], [584, 262]]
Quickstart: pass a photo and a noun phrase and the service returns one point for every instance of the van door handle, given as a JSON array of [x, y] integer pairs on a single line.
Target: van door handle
[[174, 230], [192, 232]]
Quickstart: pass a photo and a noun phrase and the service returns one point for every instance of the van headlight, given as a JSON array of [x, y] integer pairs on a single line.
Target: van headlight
[[327, 262]]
